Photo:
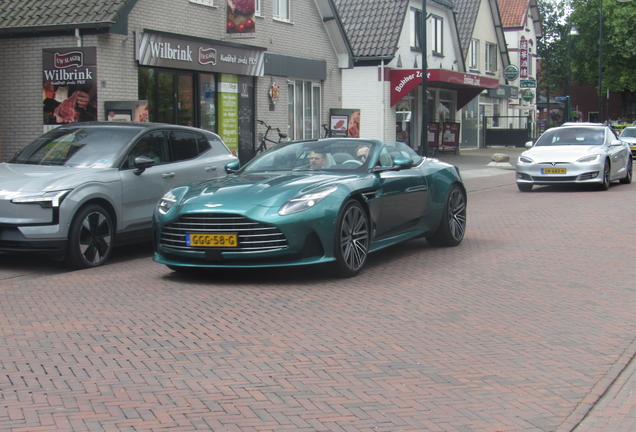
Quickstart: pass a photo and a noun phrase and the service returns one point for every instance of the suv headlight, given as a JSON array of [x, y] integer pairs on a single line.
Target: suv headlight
[[45, 199], [589, 158], [305, 201], [166, 203]]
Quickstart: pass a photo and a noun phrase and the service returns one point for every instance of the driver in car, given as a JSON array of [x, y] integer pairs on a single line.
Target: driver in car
[[317, 160]]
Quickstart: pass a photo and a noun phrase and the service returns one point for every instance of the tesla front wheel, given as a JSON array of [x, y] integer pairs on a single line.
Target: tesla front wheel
[[628, 176], [352, 239], [606, 177], [524, 187], [453, 225], [90, 238]]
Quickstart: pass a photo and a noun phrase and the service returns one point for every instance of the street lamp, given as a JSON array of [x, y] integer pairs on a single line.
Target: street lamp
[[424, 134], [600, 59], [573, 32]]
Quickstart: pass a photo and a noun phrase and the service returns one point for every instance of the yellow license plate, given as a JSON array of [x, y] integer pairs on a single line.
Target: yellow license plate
[[554, 171], [212, 240]]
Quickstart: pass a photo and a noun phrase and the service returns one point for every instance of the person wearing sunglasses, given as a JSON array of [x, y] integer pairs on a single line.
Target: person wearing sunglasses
[[362, 153]]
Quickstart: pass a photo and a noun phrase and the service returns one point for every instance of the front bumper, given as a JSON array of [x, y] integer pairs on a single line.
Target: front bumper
[[575, 173], [13, 239]]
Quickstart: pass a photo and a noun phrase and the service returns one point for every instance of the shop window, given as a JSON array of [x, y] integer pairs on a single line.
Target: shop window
[[491, 57], [437, 26], [281, 9], [416, 27], [473, 54], [147, 84], [303, 107], [207, 102]]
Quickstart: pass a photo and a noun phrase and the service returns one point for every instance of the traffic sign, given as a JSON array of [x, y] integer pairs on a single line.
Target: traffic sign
[[561, 98]]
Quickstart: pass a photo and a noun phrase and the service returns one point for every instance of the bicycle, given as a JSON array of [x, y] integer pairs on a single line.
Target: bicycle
[[263, 147], [328, 132]]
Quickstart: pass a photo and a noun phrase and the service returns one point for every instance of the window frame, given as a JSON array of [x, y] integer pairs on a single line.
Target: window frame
[[277, 8], [302, 107], [438, 35], [257, 7], [473, 54], [491, 57], [415, 17]]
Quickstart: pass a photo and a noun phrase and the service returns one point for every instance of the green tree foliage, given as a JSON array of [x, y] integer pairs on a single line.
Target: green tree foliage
[[619, 43], [553, 47]]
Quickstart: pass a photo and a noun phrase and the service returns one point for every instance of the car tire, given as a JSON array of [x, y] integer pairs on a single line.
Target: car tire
[[90, 239], [606, 177], [524, 187], [630, 172], [453, 225], [352, 239]]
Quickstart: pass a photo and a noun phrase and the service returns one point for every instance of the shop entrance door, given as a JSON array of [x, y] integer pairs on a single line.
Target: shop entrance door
[[175, 91]]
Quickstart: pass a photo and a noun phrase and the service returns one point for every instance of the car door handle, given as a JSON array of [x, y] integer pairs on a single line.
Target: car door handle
[[210, 168], [167, 175]]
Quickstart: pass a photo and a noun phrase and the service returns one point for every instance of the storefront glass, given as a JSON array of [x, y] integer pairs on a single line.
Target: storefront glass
[[147, 85], [185, 112], [165, 106], [207, 102]]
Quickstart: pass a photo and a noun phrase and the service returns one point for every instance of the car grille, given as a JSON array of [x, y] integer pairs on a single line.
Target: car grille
[[554, 178], [252, 236]]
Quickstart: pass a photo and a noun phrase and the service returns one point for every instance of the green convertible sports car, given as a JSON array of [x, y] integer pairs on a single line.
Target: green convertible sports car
[[309, 202]]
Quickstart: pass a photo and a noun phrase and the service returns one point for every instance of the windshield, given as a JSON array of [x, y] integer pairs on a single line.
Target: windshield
[[79, 147], [348, 155], [572, 136], [629, 133]]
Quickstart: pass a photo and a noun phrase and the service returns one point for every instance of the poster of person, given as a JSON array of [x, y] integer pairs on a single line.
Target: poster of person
[[240, 16], [69, 85]]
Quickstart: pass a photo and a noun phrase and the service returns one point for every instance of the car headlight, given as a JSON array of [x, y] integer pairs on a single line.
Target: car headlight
[[525, 159], [45, 199], [166, 203], [589, 158], [305, 201]]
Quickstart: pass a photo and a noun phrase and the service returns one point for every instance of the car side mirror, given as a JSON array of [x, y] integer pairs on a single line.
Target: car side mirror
[[232, 167], [403, 162], [529, 144], [616, 143], [141, 163]]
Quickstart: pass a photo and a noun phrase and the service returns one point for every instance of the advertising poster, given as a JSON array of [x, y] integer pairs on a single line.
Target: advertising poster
[[240, 16], [69, 85], [450, 137], [433, 134], [228, 111], [344, 122]]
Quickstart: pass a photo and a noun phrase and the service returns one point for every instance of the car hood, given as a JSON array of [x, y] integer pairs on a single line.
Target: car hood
[[566, 153], [40, 178], [265, 189], [629, 140]]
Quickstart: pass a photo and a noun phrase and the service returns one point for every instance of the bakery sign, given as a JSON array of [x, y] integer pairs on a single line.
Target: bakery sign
[[160, 50]]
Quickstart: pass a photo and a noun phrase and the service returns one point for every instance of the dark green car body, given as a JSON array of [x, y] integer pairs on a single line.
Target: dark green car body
[[278, 211]]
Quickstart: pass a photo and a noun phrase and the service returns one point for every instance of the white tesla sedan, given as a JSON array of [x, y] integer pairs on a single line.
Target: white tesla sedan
[[575, 153]]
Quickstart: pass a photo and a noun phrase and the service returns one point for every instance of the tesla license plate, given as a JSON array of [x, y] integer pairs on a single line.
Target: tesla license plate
[[554, 171], [212, 240]]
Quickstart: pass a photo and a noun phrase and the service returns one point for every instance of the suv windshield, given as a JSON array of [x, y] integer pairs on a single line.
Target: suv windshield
[[80, 147], [629, 132], [572, 136]]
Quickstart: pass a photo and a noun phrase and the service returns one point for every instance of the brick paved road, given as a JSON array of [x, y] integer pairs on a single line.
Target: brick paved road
[[521, 328]]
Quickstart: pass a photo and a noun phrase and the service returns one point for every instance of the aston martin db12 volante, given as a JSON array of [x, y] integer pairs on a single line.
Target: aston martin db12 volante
[[309, 202]]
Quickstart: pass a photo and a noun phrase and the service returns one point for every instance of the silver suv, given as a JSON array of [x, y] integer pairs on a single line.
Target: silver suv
[[82, 188]]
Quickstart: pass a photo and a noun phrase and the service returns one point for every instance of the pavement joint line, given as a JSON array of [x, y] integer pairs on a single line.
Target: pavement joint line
[[601, 391]]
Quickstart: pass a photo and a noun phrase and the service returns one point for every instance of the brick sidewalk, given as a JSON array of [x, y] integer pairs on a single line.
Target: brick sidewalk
[[523, 327]]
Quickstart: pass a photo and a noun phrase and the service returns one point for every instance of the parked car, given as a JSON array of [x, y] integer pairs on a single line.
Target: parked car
[[628, 135], [575, 153], [309, 202], [81, 188]]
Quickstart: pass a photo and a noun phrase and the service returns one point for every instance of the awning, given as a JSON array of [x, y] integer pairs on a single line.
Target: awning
[[467, 85]]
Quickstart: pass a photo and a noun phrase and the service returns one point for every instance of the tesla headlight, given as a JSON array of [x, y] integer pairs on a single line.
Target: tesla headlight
[[525, 159], [589, 158], [45, 199], [305, 201], [166, 203]]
